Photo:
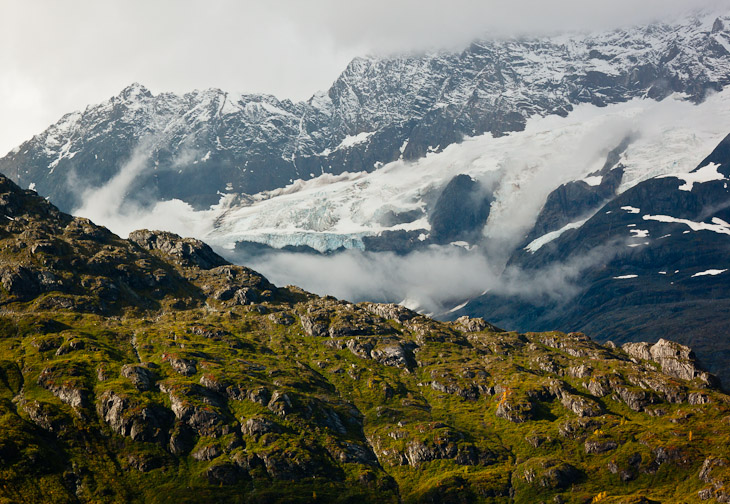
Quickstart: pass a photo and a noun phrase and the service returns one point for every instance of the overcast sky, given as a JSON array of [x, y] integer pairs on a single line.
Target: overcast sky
[[57, 57]]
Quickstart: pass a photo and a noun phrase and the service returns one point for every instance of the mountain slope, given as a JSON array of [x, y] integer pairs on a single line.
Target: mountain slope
[[150, 370], [651, 263], [196, 146]]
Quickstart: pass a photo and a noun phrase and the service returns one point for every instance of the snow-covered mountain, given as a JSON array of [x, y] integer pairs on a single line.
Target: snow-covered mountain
[[196, 146]]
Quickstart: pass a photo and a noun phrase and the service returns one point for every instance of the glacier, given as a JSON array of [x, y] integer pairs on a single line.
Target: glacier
[[331, 212]]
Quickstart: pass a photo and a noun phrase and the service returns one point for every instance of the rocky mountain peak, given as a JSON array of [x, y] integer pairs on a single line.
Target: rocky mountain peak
[[135, 91], [378, 110]]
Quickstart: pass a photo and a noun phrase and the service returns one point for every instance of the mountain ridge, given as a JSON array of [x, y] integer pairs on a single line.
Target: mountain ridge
[[377, 111]]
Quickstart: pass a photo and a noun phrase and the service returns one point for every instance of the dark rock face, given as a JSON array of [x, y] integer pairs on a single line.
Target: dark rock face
[[223, 474], [574, 200], [19, 282], [460, 212], [44, 416]]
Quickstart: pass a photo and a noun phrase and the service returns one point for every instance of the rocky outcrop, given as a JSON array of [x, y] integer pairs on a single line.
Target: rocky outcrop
[[640, 350], [600, 445], [445, 447], [280, 403], [140, 376], [19, 281], [549, 473], [237, 285], [390, 311], [44, 415], [283, 466], [475, 324], [348, 452], [675, 360], [336, 319], [197, 408], [256, 427], [581, 406], [66, 384], [395, 354], [718, 484], [130, 418], [185, 251], [185, 367], [515, 410], [207, 452]]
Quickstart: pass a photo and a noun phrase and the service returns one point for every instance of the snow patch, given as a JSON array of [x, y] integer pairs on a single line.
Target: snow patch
[[718, 225], [639, 233], [711, 272], [630, 209], [457, 308], [707, 173], [351, 140], [625, 277], [537, 243]]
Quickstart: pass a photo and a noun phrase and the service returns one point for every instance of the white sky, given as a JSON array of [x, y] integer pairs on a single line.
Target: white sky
[[57, 57]]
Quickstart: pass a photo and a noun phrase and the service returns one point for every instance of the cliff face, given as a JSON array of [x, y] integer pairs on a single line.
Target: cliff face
[[150, 370]]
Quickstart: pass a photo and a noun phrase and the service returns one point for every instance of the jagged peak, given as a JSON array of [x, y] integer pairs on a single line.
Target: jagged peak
[[135, 90]]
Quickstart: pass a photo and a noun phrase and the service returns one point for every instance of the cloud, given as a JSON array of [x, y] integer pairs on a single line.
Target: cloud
[[424, 280], [387, 26], [431, 281], [110, 206]]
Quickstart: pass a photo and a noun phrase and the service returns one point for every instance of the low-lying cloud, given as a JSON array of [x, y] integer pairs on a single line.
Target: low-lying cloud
[[111, 205]]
